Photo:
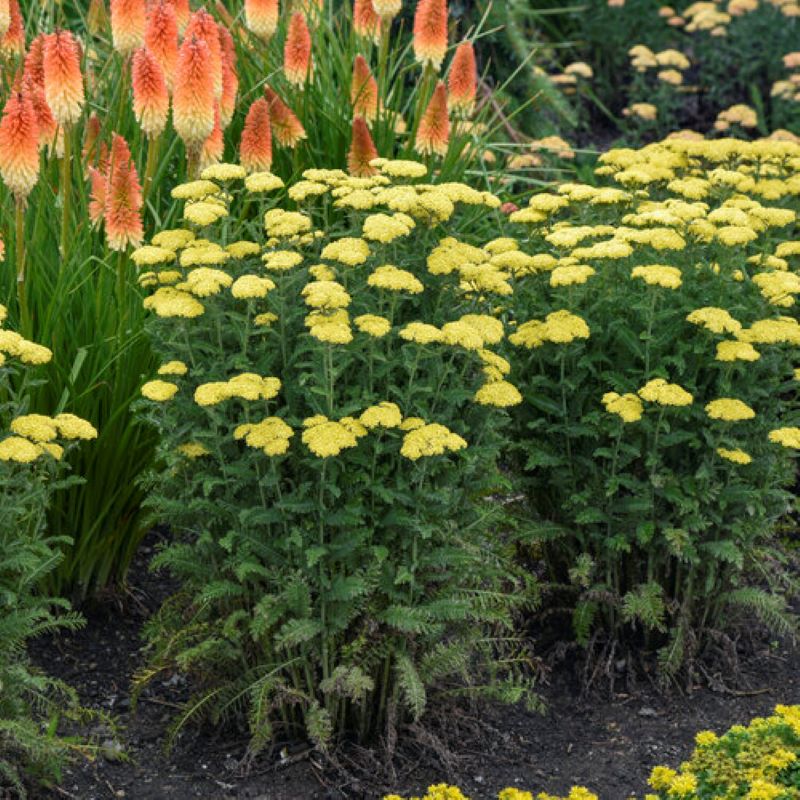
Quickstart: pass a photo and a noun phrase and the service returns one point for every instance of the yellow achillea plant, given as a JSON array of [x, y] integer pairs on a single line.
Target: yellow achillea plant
[[655, 343], [32, 451], [758, 762], [330, 404]]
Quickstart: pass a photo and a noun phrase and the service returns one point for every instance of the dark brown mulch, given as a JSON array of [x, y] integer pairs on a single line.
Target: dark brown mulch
[[608, 743]]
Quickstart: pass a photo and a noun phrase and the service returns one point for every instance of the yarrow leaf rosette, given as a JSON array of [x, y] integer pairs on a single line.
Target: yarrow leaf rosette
[[330, 409], [655, 339]]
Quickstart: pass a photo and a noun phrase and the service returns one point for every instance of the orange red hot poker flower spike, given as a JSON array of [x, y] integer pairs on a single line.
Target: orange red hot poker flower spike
[[63, 82], [128, 22], [123, 201], [363, 90], [255, 149], [287, 129], [19, 149], [150, 95], [297, 62], [161, 38], [366, 21], [362, 150], [193, 99], [462, 82], [430, 32], [261, 17], [433, 135]]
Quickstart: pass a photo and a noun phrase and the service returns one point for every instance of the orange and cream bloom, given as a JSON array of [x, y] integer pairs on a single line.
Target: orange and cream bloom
[[363, 90], [128, 23], [261, 17], [63, 82], [387, 9], [297, 62], [430, 32], [366, 21], [286, 127], [193, 100], [150, 95], [182, 13], [161, 38], [202, 26], [255, 148], [230, 78], [123, 201], [462, 82], [214, 146], [19, 146], [433, 135], [12, 42], [362, 150]]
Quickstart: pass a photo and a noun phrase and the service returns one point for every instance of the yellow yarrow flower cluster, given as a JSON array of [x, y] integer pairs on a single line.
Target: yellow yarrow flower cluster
[[729, 409], [385, 228], [326, 438], [159, 391], [16, 346], [169, 302], [431, 439], [392, 279], [348, 251], [559, 327], [383, 415], [786, 437], [665, 394], [271, 435], [658, 275], [246, 386], [716, 320], [628, 407]]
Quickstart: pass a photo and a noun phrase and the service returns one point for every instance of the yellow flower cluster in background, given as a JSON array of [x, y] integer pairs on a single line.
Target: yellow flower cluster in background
[[33, 436]]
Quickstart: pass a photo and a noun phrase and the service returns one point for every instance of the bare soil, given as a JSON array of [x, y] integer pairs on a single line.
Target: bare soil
[[606, 741]]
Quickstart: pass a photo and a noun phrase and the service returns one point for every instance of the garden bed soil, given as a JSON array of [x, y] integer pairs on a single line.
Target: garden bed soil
[[606, 742]]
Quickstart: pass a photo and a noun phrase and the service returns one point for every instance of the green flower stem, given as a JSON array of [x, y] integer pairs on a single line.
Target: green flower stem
[[66, 193], [153, 147], [19, 243]]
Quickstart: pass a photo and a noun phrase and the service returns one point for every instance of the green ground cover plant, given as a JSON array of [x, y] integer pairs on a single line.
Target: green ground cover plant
[[32, 447]]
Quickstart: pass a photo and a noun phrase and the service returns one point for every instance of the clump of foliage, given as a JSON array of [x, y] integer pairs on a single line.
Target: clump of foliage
[[655, 347], [761, 760], [103, 118], [31, 450], [330, 408]]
